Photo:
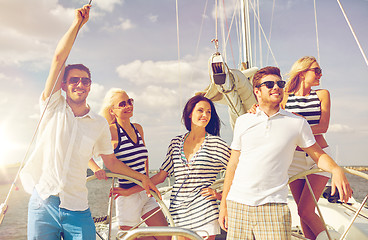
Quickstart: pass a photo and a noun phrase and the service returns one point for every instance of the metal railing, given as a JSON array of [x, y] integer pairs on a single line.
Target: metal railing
[[161, 231]]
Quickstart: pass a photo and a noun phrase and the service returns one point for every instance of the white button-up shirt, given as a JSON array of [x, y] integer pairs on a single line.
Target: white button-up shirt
[[266, 146], [64, 146]]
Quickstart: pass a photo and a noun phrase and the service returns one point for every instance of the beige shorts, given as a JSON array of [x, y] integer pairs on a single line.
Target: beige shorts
[[129, 210], [302, 162], [268, 221]]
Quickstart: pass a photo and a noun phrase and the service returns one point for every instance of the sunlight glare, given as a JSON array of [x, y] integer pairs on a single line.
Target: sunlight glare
[[6, 145]]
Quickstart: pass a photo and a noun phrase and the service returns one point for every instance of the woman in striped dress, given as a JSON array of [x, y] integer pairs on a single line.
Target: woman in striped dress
[[314, 105], [195, 158], [128, 141]]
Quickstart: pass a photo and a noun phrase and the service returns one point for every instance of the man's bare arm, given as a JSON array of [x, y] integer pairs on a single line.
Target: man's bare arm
[[62, 51]]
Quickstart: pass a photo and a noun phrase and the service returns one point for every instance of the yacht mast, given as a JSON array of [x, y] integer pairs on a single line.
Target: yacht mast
[[247, 49]]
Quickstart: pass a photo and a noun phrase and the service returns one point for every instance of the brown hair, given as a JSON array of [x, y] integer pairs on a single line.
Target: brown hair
[[264, 72], [75, 66]]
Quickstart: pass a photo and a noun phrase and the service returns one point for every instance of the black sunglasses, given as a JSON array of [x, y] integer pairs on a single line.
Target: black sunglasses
[[317, 70], [271, 84], [123, 104], [76, 80]]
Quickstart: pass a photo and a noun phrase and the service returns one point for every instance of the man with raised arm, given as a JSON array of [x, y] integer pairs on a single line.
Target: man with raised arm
[[69, 135], [254, 198]]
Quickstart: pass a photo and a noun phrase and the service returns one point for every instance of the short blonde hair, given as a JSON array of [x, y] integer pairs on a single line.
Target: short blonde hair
[[108, 104], [300, 66]]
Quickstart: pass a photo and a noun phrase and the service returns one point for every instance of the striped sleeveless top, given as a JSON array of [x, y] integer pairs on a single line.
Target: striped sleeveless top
[[134, 155], [307, 106]]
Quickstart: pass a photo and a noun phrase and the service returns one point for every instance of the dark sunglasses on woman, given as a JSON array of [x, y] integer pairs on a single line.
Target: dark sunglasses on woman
[[124, 104]]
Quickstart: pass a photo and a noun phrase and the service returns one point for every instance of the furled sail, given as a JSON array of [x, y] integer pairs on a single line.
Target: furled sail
[[231, 87]]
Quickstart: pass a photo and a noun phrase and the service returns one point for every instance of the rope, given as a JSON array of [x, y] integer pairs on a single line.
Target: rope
[[352, 31], [3, 206], [315, 20]]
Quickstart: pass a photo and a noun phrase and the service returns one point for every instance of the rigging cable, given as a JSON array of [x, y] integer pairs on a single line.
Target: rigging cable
[[178, 42], [352, 31], [228, 29], [201, 27], [269, 37], [199, 38], [264, 35], [228, 33], [259, 38], [4, 205], [315, 20]]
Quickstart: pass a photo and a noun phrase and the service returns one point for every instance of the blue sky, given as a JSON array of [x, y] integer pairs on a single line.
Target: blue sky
[[133, 45]]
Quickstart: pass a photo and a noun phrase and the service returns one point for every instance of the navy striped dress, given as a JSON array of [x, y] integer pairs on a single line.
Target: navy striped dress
[[134, 155], [187, 206], [307, 106]]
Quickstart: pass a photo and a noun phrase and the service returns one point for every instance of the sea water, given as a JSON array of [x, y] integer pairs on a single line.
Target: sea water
[[14, 226]]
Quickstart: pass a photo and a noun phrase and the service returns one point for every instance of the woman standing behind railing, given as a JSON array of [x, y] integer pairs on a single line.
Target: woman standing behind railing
[[314, 105], [128, 141]]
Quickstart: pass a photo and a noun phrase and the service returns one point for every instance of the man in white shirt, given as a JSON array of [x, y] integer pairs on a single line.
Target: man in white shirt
[[69, 135], [254, 199]]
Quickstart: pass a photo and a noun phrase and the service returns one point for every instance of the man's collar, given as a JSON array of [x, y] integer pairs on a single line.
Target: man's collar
[[281, 111], [89, 114]]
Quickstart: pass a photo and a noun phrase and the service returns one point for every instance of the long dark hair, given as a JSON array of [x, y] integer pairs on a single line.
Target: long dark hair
[[213, 127]]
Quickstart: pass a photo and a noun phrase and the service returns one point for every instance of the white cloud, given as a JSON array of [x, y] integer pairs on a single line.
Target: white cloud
[[124, 24], [95, 96], [340, 128], [108, 5], [153, 18], [164, 72], [157, 96], [31, 37]]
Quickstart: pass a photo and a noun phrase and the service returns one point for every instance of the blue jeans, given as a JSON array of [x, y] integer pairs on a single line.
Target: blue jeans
[[46, 220]]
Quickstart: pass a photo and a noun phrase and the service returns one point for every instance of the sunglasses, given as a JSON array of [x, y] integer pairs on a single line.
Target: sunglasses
[[124, 104], [76, 80], [271, 84], [317, 70]]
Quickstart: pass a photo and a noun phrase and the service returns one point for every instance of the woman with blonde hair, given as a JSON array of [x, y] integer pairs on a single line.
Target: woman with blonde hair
[[128, 141], [314, 105]]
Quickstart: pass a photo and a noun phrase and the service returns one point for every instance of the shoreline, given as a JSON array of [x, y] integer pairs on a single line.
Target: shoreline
[[358, 168]]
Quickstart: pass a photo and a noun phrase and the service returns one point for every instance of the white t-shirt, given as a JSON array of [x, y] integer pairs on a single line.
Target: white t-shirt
[[64, 146], [266, 145]]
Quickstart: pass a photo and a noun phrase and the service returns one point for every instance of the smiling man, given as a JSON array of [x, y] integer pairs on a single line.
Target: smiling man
[[254, 200], [69, 135]]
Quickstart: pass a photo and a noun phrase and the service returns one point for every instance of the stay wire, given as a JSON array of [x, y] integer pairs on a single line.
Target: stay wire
[[317, 40], [4, 205], [352, 31], [179, 65], [228, 30], [264, 35]]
